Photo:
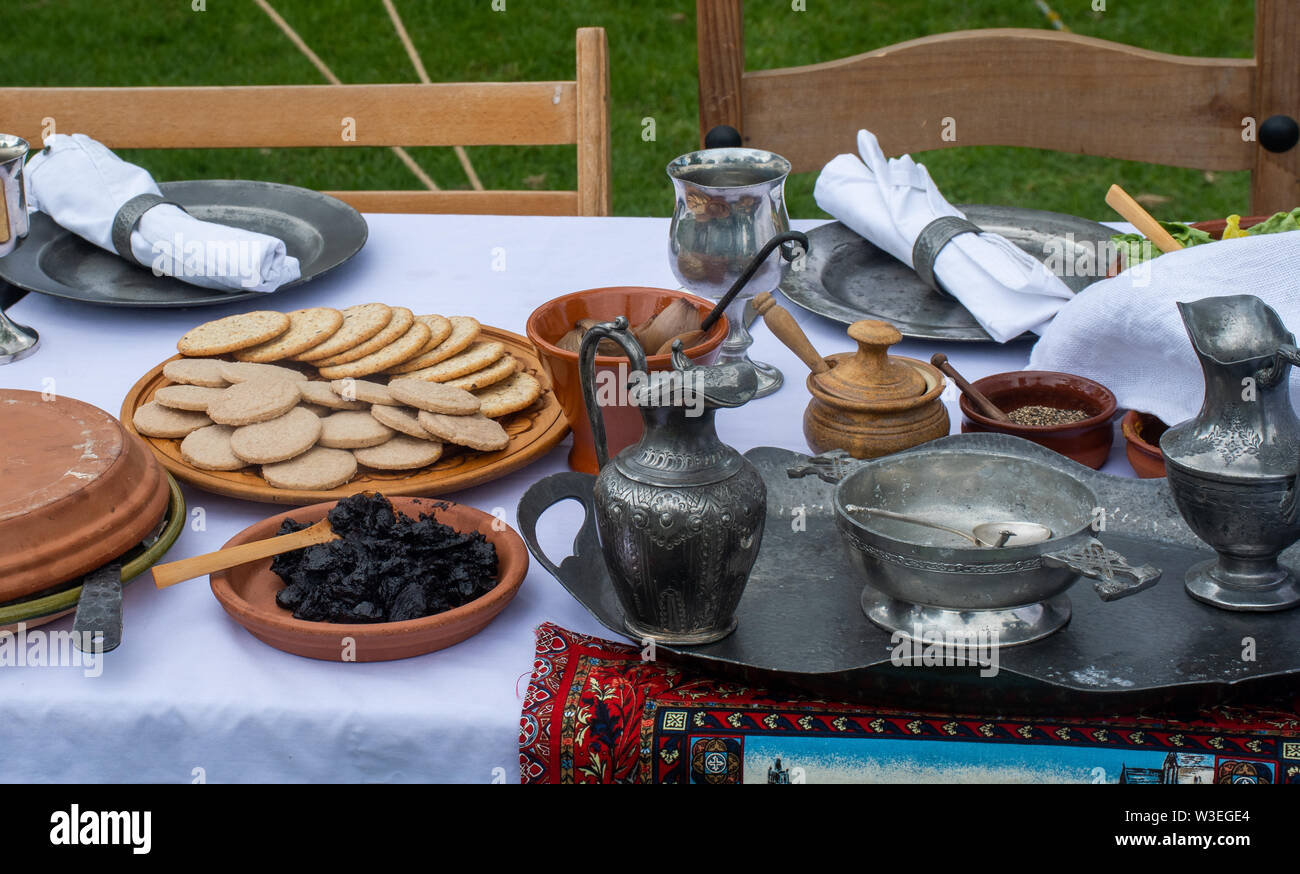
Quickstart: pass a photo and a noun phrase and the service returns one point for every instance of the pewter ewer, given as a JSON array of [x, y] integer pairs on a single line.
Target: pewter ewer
[[680, 514], [1232, 468]]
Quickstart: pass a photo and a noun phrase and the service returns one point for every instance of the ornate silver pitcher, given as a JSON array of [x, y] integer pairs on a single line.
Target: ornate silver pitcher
[[680, 514], [1232, 469]]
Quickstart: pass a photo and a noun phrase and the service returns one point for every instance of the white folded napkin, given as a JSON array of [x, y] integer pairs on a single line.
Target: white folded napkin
[[889, 202], [1126, 333], [81, 185]]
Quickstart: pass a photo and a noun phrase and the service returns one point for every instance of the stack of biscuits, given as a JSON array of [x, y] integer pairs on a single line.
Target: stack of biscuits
[[313, 394]]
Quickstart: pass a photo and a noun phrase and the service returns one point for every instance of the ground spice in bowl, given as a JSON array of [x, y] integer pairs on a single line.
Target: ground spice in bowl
[[1045, 416], [385, 566]]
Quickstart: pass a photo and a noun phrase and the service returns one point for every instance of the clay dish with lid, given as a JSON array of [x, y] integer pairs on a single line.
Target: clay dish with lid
[[76, 490]]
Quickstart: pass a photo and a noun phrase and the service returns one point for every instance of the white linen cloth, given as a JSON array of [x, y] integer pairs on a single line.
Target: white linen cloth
[[189, 688], [889, 202], [81, 184], [1126, 333]]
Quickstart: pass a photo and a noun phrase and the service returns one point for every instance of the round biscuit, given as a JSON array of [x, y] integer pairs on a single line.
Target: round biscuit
[[155, 420], [362, 390], [307, 328], [476, 431], [232, 333], [464, 331], [398, 325], [208, 448], [439, 330], [196, 371], [400, 419], [360, 323], [502, 368], [352, 430], [257, 400], [317, 469], [399, 350], [186, 397], [479, 355], [510, 396], [400, 453], [279, 439], [242, 371], [320, 394], [434, 397]]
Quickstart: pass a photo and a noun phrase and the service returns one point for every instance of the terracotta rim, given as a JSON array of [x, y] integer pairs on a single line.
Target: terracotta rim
[[712, 339], [1129, 428], [280, 621], [1107, 413]]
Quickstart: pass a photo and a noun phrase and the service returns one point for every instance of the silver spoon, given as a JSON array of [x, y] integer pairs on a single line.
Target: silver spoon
[[990, 534]]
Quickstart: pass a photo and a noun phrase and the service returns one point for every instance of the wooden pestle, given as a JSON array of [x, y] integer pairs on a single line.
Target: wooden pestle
[[982, 403], [787, 330]]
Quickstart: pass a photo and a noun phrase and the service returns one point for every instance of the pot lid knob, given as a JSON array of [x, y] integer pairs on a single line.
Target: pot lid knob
[[872, 373]]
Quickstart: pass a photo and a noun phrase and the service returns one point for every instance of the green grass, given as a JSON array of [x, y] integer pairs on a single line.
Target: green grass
[[652, 49]]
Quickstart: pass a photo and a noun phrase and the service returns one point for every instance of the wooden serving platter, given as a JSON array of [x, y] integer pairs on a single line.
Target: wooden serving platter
[[533, 432]]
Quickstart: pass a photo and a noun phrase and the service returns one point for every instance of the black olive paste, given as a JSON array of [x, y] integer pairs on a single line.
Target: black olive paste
[[385, 567]]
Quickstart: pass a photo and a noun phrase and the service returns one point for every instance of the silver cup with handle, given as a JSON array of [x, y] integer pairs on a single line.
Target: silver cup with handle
[[16, 341]]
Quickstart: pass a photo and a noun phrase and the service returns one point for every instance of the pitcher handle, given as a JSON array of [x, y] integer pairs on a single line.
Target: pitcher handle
[[1287, 352], [617, 331]]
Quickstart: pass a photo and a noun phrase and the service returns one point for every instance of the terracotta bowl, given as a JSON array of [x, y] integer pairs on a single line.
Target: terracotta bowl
[[76, 490], [1087, 441], [1142, 433], [248, 593], [553, 319]]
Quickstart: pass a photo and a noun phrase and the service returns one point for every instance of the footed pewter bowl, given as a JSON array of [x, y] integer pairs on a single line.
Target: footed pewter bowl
[[926, 583]]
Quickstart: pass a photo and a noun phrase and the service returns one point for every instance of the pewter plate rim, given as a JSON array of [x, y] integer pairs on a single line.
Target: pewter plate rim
[[807, 289], [342, 239]]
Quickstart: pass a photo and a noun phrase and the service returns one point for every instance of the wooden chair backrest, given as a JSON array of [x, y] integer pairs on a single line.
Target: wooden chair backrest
[[1018, 87], [439, 114]]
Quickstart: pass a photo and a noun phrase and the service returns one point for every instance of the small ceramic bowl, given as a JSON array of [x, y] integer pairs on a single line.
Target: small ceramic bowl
[[553, 319], [247, 593], [1087, 441], [1142, 433]]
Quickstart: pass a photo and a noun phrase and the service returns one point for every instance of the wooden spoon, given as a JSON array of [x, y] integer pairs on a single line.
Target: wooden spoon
[[1132, 211], [787, 330], [173, 572], [977, 397]]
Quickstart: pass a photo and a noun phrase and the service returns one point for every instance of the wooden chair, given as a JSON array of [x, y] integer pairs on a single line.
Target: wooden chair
[[1021, 87], [440, 114]]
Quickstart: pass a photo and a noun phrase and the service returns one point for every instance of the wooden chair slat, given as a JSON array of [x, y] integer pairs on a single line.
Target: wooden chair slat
[[987, 87], [491, 202]]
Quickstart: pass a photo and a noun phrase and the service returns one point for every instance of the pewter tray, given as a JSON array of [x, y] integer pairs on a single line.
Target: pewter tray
[[802, 629]]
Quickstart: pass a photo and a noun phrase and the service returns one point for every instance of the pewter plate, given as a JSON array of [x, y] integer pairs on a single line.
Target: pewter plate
[[801, 627], [320, 231], [846, 278]]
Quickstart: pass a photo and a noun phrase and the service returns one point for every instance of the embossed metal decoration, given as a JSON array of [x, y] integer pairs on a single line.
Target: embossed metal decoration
[[1232, 468], [680, 514]]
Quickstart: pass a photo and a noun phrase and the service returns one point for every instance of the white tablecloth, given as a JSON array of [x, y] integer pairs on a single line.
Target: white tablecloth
[[189, 689]]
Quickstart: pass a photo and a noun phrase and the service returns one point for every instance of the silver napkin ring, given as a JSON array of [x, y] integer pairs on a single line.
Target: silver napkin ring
[[128, 216], [931, 240]]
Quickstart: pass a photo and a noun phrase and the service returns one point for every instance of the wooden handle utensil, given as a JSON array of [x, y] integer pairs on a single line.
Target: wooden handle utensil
[[787, 330], [1119, 200], [173, 572], [982, 403]]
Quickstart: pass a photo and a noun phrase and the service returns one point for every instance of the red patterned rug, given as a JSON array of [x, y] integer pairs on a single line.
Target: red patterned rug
[[595, 712]]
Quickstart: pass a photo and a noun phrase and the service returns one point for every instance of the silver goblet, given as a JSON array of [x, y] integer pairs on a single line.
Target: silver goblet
[[16, 341], [730, 202]]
